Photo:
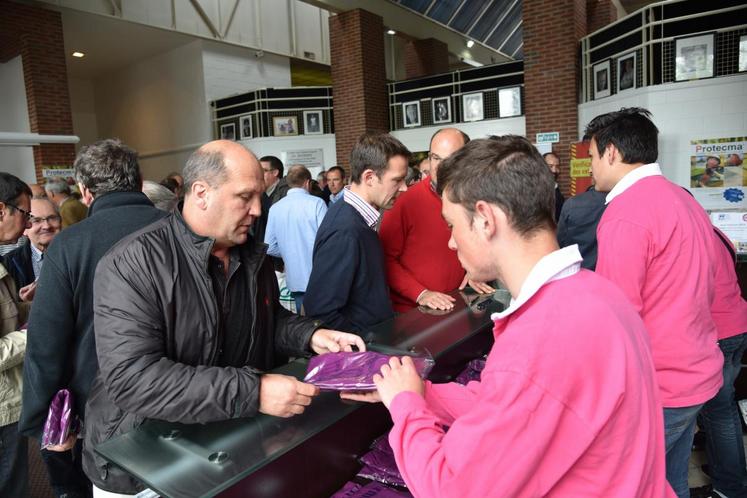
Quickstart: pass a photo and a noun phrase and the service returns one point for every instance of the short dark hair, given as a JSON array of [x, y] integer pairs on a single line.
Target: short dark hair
[[373, 151], [207, 165], [544, 156], [337, 168], [11, 188], [275, 164], [630, 130], [298, 174], [108, 166], [506, 171]]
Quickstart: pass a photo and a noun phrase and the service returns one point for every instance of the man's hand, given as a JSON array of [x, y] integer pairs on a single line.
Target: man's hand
[[27, 292], [479, 287], [334, 341], [66, 446], [397, 376], [436, 300], [284, 396]]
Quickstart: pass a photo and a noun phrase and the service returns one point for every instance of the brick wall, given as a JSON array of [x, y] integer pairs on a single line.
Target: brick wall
[[36, 34], [358, 78], [552, 29], [599, 13], [426, 57]]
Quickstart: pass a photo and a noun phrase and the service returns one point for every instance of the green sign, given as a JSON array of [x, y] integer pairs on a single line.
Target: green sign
[[551, 137]]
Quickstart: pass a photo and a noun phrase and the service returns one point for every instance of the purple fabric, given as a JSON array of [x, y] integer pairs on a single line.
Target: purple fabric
[[60, 419], [471, 372], [368, 472], [349, 490], [385, 466], [353, 371]]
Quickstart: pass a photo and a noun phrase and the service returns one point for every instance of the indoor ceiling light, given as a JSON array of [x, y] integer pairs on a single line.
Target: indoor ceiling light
[[470, 43], [391, 32], [78, 54]]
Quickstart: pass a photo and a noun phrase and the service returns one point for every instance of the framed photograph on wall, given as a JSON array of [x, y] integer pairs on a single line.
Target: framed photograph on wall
[[509, 102], [626, 77], [245, 126], [472, 108], [313, 123], [411, 113], [743, 53], [228, 131], [693, 57], [284, 126], [601, 73], [441, 108]]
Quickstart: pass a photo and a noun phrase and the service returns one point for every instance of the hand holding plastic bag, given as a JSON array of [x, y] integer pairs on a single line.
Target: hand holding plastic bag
[[61, 421]]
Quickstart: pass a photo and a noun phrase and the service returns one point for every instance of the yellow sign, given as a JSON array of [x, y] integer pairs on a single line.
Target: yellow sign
[[580, 167]]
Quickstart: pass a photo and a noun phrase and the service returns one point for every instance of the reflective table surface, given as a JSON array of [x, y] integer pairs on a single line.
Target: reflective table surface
[[255, 456]]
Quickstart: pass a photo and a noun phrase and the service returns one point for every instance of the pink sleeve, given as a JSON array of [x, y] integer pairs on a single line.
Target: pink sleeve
[[510, 432], [449, 401], [623, 256]]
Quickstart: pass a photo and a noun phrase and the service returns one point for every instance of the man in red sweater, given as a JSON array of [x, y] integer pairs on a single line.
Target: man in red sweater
[[419, 264]]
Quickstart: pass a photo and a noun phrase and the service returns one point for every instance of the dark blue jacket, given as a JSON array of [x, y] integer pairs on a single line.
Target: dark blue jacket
[[578, 224], [60, 348], [18, 263], [347, 289]]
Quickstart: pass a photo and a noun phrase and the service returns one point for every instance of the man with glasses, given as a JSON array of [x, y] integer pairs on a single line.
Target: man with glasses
[[14, 215], [25, 263], [420, 267]]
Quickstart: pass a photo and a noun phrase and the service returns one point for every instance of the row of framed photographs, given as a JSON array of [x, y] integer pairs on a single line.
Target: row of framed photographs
[[693, 60], [473, 109], [282, 126]]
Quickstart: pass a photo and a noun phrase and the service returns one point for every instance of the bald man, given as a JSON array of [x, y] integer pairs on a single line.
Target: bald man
[[187, 316], [420, 267]]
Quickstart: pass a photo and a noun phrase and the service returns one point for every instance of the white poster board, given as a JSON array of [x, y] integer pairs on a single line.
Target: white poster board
[[734, 226], [313, 159]]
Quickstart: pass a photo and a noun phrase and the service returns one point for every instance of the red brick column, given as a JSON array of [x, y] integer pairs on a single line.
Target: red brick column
[[426, 57], [599, 13], [358, 78], [552, 30], [36, 35]]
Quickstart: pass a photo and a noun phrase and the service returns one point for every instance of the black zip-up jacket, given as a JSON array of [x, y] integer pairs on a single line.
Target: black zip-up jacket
[[156, 326]]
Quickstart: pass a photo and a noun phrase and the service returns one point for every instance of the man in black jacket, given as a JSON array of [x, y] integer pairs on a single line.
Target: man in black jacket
[[187, 315], [60, 353]]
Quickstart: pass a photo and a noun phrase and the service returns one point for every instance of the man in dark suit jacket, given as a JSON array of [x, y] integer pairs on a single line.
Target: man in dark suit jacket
[[578, 224], [347, 289]]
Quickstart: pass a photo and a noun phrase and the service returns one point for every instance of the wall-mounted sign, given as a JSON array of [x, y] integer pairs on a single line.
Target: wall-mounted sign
[[580, 170], [718, 173], [57, 172], [552, 137], [734, 226], [313, 159]]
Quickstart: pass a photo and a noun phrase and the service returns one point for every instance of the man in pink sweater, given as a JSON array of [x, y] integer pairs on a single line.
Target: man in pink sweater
[[719, 418], [567, 404], [655, 242], [420, 267]]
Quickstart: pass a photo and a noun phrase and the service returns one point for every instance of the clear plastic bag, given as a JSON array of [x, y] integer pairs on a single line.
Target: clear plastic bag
[[472, 371], [61, 421], [354, 371]]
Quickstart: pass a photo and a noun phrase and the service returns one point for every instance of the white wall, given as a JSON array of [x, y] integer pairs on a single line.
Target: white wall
[[157, 106], [713, 108], [83, 110], [276, 146], [418, 139], [14, 116], [231, 70]]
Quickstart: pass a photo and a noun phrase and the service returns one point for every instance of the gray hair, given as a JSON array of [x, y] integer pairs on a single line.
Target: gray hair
[[47, 199], [108, 166], [160, 196], [206, 165], [57, 186]]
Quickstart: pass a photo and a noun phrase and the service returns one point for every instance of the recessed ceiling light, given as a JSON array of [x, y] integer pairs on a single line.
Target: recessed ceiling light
[[391, 32], [470, 43], [78, 54]]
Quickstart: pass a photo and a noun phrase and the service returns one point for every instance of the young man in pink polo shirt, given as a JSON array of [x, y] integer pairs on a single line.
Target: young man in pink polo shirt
[[655, 242], [567, 404]]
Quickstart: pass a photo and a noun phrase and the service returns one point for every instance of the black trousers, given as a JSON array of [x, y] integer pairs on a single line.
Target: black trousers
[[66, 472]]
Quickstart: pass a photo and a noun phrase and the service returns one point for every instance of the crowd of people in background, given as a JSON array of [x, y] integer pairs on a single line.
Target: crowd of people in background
[[161, 300]]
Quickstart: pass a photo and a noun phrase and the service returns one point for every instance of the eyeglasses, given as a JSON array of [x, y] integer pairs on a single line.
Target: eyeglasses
[[26, 214], [52, 220]]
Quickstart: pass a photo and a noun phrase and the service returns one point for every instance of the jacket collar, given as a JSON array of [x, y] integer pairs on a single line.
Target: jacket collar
[[118, 199], [200, 247]]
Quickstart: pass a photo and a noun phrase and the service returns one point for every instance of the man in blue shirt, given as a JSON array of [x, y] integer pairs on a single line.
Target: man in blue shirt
[[291, 230]]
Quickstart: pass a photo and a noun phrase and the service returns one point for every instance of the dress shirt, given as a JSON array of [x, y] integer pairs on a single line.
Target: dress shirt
[[36, 261], [369, 213]]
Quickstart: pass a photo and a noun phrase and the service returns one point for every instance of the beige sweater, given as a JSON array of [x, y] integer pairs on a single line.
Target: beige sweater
[[12, 349]]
